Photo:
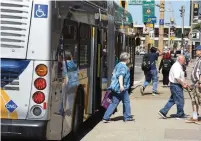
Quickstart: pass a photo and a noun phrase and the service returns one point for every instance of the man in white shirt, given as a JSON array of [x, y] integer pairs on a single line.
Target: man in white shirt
[[177, 83]]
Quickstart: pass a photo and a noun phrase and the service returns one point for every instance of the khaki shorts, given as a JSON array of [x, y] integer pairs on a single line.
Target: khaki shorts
[[195, 95]]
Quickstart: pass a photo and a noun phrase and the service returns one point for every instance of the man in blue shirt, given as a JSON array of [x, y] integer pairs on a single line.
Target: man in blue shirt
[[152, 74]]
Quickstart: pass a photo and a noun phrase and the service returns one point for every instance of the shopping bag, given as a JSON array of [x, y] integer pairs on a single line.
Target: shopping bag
[[107, 100]]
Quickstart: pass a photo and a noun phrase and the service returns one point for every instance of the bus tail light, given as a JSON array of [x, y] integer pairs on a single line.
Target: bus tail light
[[44, 105], [41, 70], [40, 83], [37, 111], [38, 97]]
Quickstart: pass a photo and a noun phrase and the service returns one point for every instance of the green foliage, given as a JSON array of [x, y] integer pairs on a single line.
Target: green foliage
[[197, 26]]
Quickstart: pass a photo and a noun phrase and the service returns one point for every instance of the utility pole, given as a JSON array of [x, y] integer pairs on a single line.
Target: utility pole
[[191, 24], [169, 36], [147, 37], [182, 10], [161, 26], [171, 22]]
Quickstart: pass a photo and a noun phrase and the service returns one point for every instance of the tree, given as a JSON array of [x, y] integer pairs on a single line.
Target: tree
[[197, 26], [175, 45]]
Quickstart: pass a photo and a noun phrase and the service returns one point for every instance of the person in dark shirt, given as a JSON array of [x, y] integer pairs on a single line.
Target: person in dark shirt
[[152, 74], [165, 65]]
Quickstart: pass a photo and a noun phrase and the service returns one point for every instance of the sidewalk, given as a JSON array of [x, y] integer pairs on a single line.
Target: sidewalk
[[148, 125]]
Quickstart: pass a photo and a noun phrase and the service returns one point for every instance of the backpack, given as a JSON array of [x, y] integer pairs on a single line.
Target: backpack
[[146, 64], [187, 57], [167, 63]]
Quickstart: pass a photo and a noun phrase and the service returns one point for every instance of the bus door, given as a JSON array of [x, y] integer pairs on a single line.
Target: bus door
[[97, 68], [86, 65], [70, 80]]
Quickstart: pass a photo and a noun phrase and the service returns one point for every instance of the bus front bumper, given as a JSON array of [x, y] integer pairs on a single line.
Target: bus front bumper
[[24, 129]]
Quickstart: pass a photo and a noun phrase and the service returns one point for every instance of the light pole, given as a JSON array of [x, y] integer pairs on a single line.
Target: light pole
[[161, 26], [182, 10], [169, 31], [191, 22], [168, 24], [171, 22]]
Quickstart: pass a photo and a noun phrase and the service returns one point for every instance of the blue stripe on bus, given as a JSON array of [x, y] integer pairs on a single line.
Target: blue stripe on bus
[[11, 70]]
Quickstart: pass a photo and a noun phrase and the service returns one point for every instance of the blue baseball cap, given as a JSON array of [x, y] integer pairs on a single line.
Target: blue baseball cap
[[198, 47]]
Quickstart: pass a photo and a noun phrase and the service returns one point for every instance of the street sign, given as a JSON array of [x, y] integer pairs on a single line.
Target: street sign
[[161, 21], [151, 20], [151, 34], [135, 2], [148, 3], [194, 35], [148, 10]]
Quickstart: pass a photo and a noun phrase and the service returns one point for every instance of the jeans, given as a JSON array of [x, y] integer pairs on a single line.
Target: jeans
[[116, 98], [152, 75], [177, 97]]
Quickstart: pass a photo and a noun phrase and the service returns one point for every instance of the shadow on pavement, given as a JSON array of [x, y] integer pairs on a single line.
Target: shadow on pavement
[[86, 127], [146, 94], [173, 116], [117, 118]]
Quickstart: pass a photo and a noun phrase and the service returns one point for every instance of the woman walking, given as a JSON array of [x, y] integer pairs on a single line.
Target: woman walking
[[165, 65], [119, 86]]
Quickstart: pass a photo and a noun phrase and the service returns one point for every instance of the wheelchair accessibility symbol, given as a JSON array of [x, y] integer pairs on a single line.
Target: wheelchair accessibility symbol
[[40, 11]]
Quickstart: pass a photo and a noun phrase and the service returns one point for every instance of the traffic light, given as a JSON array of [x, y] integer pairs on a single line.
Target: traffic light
[[181, 14], [124, 4], [137, 41], [173, 28], [196, 9], [196, 5], [181, 11]]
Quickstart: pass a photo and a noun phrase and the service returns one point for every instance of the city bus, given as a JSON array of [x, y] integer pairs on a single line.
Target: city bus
[[57, 59]]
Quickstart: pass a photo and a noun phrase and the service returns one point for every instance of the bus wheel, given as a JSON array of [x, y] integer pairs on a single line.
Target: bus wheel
[[79, 109]]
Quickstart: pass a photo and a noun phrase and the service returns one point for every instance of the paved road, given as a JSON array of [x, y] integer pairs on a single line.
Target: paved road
[[148, 125], [139, 75]]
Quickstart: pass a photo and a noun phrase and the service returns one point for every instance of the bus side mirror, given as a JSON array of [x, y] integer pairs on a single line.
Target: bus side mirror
[[137, 41]]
